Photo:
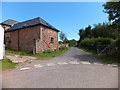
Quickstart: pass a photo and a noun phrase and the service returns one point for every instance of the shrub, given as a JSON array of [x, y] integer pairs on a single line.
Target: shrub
[[72, 42], [118, 49], [118, 43]]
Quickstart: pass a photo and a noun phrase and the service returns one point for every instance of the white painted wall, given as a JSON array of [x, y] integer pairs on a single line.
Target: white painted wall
[[1, 42]]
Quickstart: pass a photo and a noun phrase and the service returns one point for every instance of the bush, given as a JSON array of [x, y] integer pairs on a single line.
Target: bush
[[94, 42], [72, 42], [118, 49], [118, 43]]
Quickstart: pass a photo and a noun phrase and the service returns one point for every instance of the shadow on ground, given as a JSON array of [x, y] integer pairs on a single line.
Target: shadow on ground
[[87, 57]]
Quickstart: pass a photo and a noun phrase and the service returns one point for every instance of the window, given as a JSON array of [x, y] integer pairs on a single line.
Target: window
[[52, 40]]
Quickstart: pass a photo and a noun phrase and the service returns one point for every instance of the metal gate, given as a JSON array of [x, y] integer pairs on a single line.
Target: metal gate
[[106, 49]]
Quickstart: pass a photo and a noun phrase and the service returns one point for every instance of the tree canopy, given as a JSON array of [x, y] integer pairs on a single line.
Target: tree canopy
[[104, 30], [113, 10]]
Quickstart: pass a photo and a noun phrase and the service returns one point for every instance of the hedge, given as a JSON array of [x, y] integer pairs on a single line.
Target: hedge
[[94, 42]]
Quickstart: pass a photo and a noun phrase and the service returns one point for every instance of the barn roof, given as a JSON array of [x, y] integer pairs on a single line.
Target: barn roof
[[9, 22], [31, 22]]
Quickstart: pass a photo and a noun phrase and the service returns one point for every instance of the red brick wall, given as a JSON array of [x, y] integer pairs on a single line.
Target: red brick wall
[[45, 40], [33, 38], [47, 34], [7, 40], [27, 36], [14, 40]]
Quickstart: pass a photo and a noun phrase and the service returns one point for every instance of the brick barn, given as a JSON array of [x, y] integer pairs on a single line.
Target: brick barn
[[35, 35]]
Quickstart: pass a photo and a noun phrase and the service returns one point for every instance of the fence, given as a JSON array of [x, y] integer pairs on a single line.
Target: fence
[[106, 49]]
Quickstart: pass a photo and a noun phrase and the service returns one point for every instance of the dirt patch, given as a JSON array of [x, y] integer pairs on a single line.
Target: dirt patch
[[19, 59]]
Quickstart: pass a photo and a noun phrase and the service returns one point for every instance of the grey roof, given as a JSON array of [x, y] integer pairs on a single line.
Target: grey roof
[[31, 22], [10, 22]]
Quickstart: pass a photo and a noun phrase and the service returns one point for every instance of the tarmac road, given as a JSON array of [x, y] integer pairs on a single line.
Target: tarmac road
[[73, 69]]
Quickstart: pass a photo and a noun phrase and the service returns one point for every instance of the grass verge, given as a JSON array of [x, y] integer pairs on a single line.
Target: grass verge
[[8, 51], [107, 59], [45, 55], [6, 64], [50, 54]]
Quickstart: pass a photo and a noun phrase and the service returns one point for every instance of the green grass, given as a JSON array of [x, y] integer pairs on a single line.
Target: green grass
[[45, 55], [6, 64], [8, 51], [50, 54], [107, 59]]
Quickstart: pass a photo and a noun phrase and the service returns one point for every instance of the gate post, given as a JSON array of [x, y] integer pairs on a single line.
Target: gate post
[[34, 46]]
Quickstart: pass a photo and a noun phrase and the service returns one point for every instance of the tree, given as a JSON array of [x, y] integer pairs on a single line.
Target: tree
[[88, 31], [85, 33], [72, 42], [65, 40], [81, 34], [113, 10], [62, 36], [104, 30]]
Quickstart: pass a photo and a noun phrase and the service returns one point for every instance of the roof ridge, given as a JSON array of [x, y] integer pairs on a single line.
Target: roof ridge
[[39, 19], [10, 19], [28, 20]]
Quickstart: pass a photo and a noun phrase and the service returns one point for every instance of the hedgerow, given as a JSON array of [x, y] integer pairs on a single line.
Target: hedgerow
[[94, 42]]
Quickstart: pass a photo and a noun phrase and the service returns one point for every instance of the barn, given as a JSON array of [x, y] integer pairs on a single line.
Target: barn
[[34, 35]]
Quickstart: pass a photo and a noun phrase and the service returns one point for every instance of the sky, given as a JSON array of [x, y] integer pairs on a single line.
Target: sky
[[68, 17]]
